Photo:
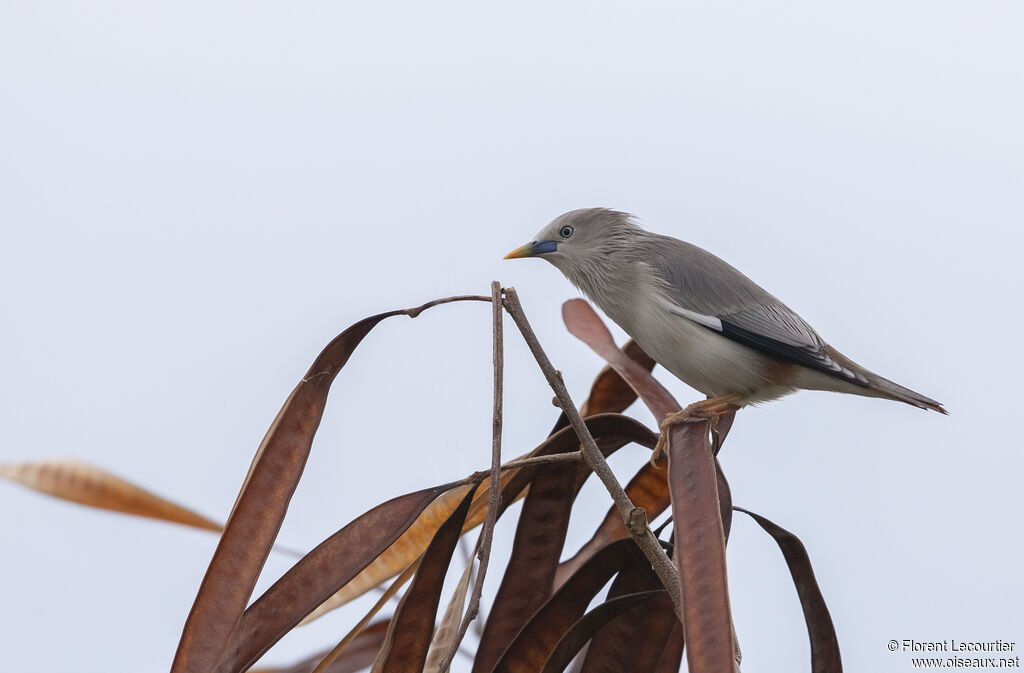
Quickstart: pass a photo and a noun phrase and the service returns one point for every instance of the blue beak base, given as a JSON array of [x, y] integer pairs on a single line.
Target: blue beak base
[[532, 249]]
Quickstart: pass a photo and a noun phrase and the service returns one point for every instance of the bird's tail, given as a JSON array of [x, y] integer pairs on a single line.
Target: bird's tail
[[894, 391], [883, 387]]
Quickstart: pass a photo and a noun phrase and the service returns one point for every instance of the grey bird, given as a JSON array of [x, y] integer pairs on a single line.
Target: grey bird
[[700, 318]]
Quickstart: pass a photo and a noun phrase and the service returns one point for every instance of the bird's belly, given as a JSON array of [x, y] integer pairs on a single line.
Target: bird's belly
[[702, 358]]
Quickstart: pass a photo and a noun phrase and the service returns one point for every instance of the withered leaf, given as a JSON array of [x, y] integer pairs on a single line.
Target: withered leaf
[[584, 629], [820, 629], [526, 584], [319, 574], [671, 658], [538, 638], [448, 628], [700, 548], [610, 392], [89, 485], [614, 646], [260, 508], [359, 654], [584, 323], [408, 639]]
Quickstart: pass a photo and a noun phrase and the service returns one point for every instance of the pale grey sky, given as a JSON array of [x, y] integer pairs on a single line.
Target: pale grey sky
[[196, 196]]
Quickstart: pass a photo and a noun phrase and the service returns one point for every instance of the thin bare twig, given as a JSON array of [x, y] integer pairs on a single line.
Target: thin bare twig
[[494, 495], [571, 457], [634, 517], [525, 461], [478, 624], [413, 312]]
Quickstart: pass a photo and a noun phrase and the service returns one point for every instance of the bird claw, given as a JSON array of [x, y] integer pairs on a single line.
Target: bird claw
[[658, 451], [710, 409], [666, 425]]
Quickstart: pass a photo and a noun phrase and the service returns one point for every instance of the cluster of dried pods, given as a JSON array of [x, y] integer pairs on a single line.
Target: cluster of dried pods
[[663, 594]]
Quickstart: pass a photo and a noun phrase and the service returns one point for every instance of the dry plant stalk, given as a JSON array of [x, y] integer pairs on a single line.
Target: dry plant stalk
[[494, 494]]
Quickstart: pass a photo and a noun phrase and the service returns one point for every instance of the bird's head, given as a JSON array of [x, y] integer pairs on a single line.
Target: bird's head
[[579, 237]]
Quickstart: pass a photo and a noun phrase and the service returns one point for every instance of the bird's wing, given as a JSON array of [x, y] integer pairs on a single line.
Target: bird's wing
[[710, 292]]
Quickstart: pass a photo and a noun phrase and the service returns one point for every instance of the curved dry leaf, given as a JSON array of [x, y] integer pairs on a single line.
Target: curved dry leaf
[[671, 659], [587, 626], [700, 548], [408, 639], [541, 634], [263, 500], [626, 645], [610, 392], [359, 654], [583, 323], [655, 639], [820, 629], [724, 500], [408, 548], [260, 508], [648, 489], [338, 650], [89, 485], [610, 431], [614, 646], [319, 574], [527, 581], [721, 430], [448, 628]]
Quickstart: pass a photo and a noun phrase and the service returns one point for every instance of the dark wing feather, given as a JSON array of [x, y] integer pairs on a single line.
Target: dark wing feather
[[755, 333], [700, 282]]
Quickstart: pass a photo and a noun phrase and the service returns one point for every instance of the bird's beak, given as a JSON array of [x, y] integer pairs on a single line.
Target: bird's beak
[[532, 249]]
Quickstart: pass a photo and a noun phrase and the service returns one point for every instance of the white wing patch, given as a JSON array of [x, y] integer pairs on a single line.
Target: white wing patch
[[663, 296], [699, 318]]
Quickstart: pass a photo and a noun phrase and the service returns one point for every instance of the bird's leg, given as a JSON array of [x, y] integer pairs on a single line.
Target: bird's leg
[[711, 409]]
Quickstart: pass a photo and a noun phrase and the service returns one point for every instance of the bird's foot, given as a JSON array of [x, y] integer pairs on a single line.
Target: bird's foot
[[710, 409]]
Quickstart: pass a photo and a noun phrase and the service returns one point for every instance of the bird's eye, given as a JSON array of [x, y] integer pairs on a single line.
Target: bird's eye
[[565, 232]]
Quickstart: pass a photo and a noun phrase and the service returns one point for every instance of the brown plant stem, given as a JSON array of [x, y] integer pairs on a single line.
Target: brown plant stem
[[634, 517], [526, 461], [572, 457], [414, 312]]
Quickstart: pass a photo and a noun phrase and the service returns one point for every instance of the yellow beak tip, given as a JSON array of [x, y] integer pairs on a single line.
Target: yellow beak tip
[[521, 251]]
